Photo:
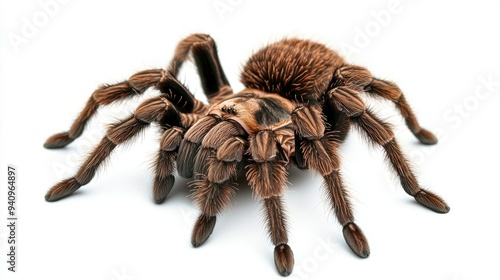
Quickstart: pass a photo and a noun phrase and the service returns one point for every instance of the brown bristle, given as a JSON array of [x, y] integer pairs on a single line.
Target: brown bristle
[[290, 67], [263, 146], [432, 201], [98, 156], [200, 129], [426, 137], [164, 163], [202, 229], [62, 189], [220, 171], [107, 94], [143, 80], [267, 178], [231, 150], [356, 240], [283, 258], [309, 122], [186, 158], [57, 141], [201, 161], [161, 188], [320, 155], [171, 139], [212, 197]]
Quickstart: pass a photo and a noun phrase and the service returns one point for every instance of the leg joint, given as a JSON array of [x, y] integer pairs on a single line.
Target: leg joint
[[308, 122], [347, 100], [354, 76]]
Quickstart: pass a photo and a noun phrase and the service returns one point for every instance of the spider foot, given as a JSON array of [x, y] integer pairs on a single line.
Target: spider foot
[[432, 201], [162, 187], [356, 240], [62, 190], [426, 137], [202, 229], [58, 140], [283, 258]]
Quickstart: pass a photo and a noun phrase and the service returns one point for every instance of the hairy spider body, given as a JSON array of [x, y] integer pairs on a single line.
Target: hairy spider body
[[300, 101]]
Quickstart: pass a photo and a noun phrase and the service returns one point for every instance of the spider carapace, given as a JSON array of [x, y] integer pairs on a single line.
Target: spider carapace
[[300, 100]]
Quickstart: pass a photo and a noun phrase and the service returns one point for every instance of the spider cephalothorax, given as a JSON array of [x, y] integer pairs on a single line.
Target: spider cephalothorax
[[300, 100]]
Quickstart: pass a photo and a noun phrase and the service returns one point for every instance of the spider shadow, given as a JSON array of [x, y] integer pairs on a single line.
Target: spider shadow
[[244, 193], [298, 177], [180, 189]]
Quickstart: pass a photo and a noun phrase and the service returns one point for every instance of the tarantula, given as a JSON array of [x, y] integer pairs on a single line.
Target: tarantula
[[300, 101]]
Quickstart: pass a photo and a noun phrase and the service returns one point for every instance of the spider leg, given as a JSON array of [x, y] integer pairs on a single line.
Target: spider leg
[[319, 152], [347, 100], [220, 153], [135, 85], [215, 86], [164, 164], [154, 109], [361, 79], [342, 208], [266, 176], [192, 142], [204, 51]]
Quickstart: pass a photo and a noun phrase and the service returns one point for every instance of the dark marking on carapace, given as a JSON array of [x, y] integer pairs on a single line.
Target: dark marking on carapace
[[270, 112]]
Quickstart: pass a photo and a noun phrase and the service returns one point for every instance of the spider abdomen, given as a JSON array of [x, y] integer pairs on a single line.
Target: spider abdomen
[[297, 69]]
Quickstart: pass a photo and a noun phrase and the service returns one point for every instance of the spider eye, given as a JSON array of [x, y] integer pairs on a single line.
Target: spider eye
[[224, 109]]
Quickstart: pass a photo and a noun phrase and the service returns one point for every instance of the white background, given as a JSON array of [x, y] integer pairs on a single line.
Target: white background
[[438, 53]]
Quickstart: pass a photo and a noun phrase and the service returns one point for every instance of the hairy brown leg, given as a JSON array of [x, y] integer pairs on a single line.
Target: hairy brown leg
[[174, 127], [221, 151], [348, 101], [149, 111], [135, 85], [342, 208], [276, 223], [107, 94], [266, 176], [204, 50], [319, 149], [164, 169], [360, 78], [215, 86], [191, 143]]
